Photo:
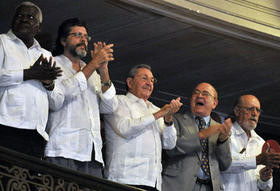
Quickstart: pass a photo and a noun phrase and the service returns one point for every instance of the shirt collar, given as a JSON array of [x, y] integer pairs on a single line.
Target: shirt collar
[[133, 98], [240, 131], [206, 118], [12, 36], [68, 62]]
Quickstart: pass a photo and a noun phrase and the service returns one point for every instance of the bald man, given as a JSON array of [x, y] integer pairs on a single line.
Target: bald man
[[247, 171], [202, 147]]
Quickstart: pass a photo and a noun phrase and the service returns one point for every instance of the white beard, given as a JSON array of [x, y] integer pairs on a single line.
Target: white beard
[[247, 125], [81, 53]]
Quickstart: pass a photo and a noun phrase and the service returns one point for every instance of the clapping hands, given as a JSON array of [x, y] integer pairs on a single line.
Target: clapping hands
[[169, 109], [42, 70]]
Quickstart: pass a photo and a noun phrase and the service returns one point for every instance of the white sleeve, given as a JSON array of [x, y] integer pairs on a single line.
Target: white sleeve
[[8, 77], [66, 89], [109, 101], [169, 137]]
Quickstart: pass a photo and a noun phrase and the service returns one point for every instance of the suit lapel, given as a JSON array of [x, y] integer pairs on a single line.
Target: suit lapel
[[212, 141], [191, 125], [191, 128]]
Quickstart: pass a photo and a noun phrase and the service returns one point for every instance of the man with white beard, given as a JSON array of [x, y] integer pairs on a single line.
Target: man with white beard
[[77, 100], [247, 171]]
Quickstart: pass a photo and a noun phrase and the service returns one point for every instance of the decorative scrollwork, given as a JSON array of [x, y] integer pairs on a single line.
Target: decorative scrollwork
[[73, 187], [20, 179], [47, 180], [17, 185], [16, 178], [60, 185]]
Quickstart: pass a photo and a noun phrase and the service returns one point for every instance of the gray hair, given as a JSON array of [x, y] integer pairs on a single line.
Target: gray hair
[[30, 4], [133, 70]]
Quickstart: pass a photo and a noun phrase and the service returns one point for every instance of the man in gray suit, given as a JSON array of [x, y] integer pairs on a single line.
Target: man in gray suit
[[202, 147]]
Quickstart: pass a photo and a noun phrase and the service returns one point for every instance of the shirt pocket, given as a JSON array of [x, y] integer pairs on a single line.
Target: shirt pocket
[[13, 103]]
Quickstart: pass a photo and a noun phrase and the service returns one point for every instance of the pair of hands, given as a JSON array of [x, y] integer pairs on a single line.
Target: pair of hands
[[46, 71], [266, 173], [223, 130], [271, 159], [168, 110], [101, 55], [43, 70]]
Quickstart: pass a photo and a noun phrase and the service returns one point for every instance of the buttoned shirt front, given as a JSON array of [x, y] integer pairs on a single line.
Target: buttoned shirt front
[[23, 104], [243, 174], [75, 106], [134, 141]]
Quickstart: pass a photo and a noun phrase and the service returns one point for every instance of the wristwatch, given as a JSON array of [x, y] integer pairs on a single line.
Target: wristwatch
[[109, 83]]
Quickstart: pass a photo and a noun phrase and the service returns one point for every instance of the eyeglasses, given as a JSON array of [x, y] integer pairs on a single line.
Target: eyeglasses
[[146, 79], [203, 93], [80, 35], [251, 109]]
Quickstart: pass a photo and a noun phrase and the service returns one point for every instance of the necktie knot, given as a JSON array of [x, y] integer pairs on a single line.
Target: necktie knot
[[201, 123]]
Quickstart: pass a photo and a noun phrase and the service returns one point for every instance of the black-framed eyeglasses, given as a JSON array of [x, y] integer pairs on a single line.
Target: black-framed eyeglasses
[[203, 93], [81, 35], [251, 109]]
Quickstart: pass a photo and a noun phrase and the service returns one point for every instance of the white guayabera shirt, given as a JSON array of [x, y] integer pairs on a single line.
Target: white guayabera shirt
[[134, 141], [23, 104], [243, 174], [75, 107]]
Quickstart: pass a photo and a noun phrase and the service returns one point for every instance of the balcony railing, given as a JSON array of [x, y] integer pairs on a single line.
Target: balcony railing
[[20, 172]]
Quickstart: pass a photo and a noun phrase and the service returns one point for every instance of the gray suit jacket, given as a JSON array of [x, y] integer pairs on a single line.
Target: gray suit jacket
[[181, 164]]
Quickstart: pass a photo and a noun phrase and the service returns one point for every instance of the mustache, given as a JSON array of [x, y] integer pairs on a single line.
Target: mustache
[[82, 44], [253, 119]]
